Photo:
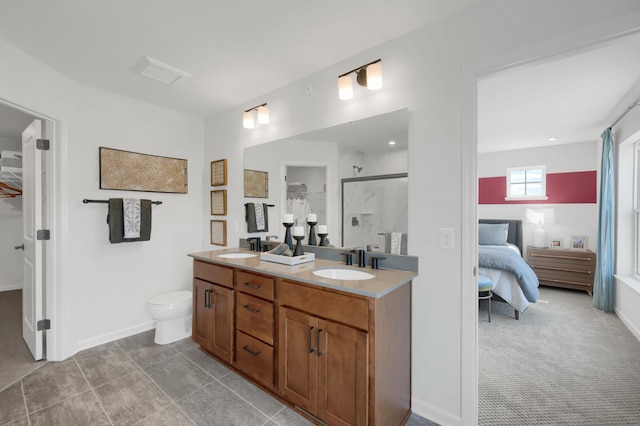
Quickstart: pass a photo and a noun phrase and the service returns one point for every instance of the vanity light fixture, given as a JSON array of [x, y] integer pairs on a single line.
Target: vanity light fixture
[[248, 116], [369, 75]]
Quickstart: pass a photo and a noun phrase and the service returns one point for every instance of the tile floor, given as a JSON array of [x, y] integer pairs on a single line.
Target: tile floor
[[134, 381]]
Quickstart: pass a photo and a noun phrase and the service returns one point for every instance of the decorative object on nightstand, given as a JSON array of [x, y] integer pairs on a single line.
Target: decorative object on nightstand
[[579, 242], [540, 217], [566, 268]]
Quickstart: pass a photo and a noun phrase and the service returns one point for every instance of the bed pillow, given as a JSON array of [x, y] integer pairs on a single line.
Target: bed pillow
[[494, 234]]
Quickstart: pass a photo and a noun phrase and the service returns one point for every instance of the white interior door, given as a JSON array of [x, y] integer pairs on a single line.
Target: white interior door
[[32, 311]]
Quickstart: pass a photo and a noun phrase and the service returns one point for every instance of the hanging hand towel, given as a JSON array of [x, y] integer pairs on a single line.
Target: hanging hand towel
[[257, 217], [115, 219], [131, 212]]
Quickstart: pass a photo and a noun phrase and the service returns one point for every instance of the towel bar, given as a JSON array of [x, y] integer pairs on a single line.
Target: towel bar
[[87, 201], [268, 205]]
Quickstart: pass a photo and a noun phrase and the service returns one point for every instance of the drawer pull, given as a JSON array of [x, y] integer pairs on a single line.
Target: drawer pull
[[246, 348], [584, 259], [310, 347], [255, 287], [565, 282], [207, 298], [551, 268], [255, 311], [320, 353]]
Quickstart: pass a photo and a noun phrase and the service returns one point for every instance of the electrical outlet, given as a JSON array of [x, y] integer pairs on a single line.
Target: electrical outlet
[[446, 238]]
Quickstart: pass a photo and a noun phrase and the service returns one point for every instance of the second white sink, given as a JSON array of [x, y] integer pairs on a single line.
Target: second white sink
[[237, 255], [343, 274]]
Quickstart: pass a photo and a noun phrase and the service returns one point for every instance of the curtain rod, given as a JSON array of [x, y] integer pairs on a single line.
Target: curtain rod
[[629, 108]]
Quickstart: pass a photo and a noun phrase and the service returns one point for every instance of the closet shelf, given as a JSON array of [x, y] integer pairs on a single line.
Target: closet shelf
[[10, 174]]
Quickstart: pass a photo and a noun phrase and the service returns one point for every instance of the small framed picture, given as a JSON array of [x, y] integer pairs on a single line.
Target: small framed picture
[[219, 232], [579, 242], [219, 202], [219, 172], [555, 243]]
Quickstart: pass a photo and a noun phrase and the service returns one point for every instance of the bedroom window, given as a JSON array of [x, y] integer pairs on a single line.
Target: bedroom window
[[527, 183]]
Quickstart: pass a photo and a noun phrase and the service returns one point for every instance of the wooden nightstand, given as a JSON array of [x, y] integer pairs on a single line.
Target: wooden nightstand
[[565, 268]]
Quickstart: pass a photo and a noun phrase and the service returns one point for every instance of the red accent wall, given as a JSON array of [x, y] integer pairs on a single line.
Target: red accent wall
[[562, 188]]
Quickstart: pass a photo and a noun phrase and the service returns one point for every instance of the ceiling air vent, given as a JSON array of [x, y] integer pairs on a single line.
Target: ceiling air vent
[[159, 71]]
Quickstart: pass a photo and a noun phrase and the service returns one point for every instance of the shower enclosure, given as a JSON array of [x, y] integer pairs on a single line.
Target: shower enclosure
[[373, 207]]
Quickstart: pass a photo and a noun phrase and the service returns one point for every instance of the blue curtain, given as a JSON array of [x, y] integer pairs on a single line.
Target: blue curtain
[[603, 282]]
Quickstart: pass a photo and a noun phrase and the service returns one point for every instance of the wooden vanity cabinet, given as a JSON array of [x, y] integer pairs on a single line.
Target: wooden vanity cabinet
[[255, 327], [345, 358], [213, 307], [338, 357]]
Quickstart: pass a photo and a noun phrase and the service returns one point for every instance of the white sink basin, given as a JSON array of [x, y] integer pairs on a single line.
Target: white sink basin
[[237, 255], [343, 274]]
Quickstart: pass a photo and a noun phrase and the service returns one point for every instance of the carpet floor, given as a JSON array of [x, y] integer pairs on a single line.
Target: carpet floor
[[563, 363], [15, 358]]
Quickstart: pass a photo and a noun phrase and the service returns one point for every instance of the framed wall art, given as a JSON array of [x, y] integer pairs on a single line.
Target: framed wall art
[[134, 171], [219, 172], [219, 232], [219, 202], [256, 184]]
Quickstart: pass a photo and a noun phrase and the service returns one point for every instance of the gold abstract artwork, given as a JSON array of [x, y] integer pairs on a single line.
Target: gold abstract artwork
[[133, 171], [256, 184]]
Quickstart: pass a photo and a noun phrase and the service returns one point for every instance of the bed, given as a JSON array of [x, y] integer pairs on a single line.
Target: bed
[[500, 258]]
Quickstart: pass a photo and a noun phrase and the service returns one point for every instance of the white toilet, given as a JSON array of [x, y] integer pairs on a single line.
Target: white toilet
[[172, 312]]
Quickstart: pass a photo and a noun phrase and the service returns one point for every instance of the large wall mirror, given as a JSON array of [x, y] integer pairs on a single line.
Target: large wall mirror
[[306, 174]]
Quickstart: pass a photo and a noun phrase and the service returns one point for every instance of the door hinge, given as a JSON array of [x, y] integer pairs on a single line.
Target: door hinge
[[43, 234], [42, 144], [44, 324]]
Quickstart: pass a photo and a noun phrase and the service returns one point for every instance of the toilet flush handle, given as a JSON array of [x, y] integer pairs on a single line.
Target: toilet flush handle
[[20, 247]]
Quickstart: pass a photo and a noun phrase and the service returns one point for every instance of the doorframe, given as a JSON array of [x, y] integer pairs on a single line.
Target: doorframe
[[50, 130], [551, 50]]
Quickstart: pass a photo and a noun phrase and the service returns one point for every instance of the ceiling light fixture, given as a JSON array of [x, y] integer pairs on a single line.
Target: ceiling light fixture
[[248, 115], [369, 75]]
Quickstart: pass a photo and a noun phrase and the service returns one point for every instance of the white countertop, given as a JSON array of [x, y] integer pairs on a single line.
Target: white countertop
[[383, 282]]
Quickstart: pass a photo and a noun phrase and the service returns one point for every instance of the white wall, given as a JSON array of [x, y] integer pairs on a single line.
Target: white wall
[[101, 289], [431, 71], [570, 219]]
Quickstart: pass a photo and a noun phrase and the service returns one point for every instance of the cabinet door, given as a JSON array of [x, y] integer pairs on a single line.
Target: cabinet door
[[297, 359], [220, 341], [342, 354], [200, 328]]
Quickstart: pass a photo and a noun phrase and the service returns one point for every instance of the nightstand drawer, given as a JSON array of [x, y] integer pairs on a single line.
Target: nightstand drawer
[[565, 268]]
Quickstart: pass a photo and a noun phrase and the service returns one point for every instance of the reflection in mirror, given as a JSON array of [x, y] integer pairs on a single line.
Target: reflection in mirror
[[352, 150], [375, 210]]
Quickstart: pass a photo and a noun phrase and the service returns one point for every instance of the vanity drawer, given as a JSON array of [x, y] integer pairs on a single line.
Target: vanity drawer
[[254, 358], [255, 284], [346, 309], [213, 273], [255, 317]]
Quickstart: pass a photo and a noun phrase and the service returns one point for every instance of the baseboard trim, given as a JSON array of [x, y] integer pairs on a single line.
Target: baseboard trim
[[115, 335], [434, 414], [630, 325], [10, 287]]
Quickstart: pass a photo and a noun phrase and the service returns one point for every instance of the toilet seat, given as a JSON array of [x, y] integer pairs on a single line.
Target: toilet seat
[[174, 298]]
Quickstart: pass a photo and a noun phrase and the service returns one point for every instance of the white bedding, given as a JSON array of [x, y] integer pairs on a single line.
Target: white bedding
[[506, 286]]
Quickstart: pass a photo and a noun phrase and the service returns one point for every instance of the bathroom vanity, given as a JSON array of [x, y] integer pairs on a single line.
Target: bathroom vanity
[[336, 350]]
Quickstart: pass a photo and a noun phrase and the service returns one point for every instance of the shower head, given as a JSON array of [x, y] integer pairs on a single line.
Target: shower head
[[357, 169]]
